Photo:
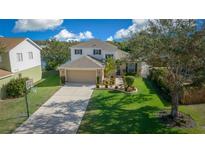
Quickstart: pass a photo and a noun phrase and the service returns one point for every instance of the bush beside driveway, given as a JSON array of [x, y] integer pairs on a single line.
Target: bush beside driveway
[[13, 111]]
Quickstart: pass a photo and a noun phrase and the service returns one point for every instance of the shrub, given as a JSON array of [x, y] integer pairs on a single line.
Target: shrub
[[106, 84], [97, 86], [129, 80], [190, 95], [63, 80], [131, 73], [158, 77], [98, 79], [112, 80], [16, 88]]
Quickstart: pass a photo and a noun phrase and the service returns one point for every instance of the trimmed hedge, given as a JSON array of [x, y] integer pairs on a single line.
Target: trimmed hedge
[[158, 75], [16, 88], [191, 95]]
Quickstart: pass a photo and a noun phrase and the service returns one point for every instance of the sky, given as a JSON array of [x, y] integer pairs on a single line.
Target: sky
[[63, 29], [72, 29]]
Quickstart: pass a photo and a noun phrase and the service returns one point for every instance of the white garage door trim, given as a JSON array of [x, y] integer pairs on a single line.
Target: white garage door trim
[[81, 76]]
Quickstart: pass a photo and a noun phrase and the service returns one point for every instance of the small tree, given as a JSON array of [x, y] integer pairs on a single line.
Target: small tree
[[110, 67]]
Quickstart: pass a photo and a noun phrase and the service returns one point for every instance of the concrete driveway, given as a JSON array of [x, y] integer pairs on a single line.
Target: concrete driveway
[[62, 113]]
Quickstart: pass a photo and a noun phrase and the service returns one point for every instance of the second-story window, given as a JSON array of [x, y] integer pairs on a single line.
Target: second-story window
[[97, 52], [78, 51], [30, 55], [108, 56], [19, 57]]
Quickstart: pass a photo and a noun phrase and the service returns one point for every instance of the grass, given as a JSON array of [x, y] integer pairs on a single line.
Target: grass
[[13, 111], [116, 112]]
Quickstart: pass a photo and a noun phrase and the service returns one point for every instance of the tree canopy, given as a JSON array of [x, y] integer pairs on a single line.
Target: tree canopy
[[176, 45], [55, 53]]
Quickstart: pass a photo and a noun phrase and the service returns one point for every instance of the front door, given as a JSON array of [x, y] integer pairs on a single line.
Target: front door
[[118, 70]]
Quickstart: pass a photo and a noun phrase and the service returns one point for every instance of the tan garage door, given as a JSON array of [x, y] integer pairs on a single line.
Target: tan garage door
[[81, 76]]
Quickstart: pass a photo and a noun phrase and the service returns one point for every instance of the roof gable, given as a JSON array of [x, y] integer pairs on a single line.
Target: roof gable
[[83, 63], [10, 43]]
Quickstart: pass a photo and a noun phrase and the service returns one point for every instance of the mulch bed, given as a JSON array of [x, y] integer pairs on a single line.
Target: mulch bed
[[182, 121]]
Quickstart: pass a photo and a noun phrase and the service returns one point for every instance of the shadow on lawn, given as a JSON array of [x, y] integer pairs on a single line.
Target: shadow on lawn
[[154, 90], [55, 118], [114, 119]]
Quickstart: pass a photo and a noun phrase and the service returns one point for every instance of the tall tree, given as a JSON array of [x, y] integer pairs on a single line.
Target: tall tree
[[176, 45], [55, 53]]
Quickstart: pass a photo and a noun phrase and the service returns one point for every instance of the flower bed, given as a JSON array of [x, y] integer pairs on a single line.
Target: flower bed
[[116, 89], [116, 84]]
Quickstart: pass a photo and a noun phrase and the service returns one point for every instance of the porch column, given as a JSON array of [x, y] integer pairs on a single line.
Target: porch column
[[65, 74]]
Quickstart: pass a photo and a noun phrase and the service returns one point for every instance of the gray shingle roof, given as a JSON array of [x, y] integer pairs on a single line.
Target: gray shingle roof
[[85, 62], [95, 43]]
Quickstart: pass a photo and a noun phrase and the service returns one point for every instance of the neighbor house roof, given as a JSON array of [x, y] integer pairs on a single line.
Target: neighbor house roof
[[10, 43], [85, 62], [95, 43], [4, 73]]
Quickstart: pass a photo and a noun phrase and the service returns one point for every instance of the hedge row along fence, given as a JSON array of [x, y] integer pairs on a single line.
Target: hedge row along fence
[[191, 95]]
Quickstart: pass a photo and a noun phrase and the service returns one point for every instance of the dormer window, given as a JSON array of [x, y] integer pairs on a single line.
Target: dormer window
[[96, 52], [78, 51]]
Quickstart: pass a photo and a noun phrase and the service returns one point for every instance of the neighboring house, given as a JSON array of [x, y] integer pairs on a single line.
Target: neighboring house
[[21, 57], [87, 61]]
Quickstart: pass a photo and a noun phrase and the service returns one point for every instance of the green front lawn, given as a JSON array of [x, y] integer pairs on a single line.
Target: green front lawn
[[13, 111], [117, 112]]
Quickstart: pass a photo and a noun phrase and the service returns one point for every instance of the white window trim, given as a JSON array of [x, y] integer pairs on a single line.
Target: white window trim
[[109, 55], [30, 55], [19, 57], [78, 51], [97, 52]]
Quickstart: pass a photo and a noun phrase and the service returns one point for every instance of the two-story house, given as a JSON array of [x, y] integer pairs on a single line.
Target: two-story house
[[20, 57], [87, 61]]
